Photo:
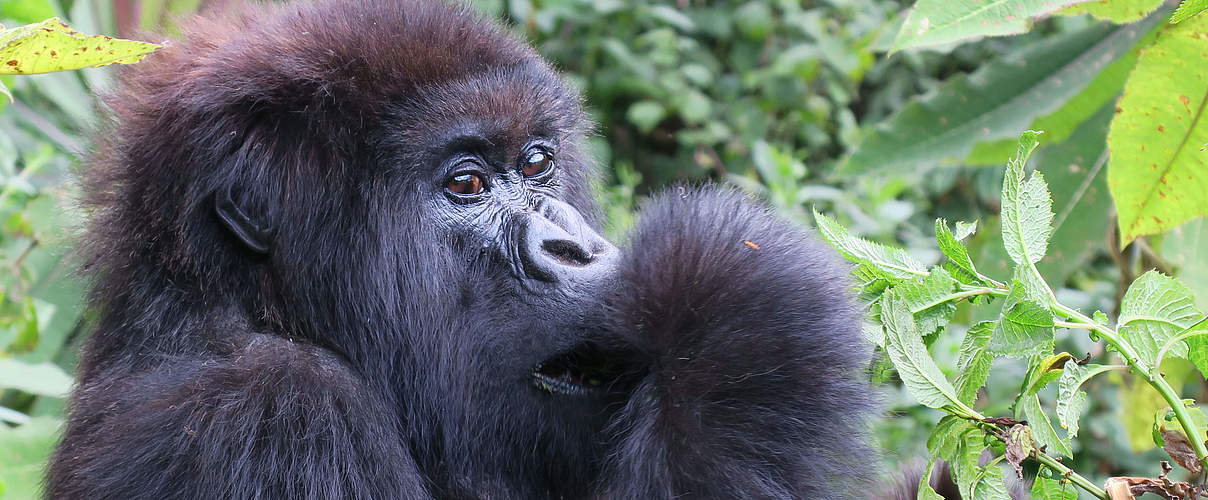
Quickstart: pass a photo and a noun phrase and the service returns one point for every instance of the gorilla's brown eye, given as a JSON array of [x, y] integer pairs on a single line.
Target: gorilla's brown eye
[[537, 163], [465, 184]]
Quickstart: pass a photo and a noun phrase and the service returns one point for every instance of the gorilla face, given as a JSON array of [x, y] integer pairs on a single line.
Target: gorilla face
[[493, 160]]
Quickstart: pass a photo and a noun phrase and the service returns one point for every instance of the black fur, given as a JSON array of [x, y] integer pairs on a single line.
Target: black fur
[[384, 344]]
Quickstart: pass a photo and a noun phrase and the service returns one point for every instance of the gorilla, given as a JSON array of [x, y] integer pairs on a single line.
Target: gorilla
[[348, 249]]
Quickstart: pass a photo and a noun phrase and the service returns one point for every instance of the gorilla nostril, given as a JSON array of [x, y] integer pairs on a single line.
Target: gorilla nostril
[[567, 252]]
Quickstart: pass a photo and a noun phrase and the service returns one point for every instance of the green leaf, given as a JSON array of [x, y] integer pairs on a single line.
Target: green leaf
[[1046, 488], [1154, 310], [893, 261], [44, 379], [1116, 11], [1046, 370], [1187, 9], [994, 102], [989, 484], [925, 492], [919, 373], [646, 115], [927, 299], [1027, 209], [1197, 345], [1071, 401], [959, 263], [1157, 173], [936, 22], [1028, 408], [53, 46], [974, 481], [946, 436], [964, 460], [974, 361], [23, 453], [1024, 327]]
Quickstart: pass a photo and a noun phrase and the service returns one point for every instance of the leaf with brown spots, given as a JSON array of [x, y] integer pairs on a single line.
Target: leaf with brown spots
[[1157, 175], [53, 46], [1116, 11]]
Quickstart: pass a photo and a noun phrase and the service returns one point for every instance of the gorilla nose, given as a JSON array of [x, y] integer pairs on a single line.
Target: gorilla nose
[[559, 246]]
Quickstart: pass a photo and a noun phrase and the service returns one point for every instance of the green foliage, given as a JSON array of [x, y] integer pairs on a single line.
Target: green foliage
[[1187, 9], [936, 22], [1157, 315], [1158, 171], [1116, 11], [996, 101]]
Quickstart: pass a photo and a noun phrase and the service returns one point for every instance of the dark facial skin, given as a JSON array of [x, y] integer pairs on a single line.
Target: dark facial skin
[[505, 197]]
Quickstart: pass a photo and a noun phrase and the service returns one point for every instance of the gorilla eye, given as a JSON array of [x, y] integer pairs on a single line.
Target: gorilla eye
[[538, 162], [465, 184]]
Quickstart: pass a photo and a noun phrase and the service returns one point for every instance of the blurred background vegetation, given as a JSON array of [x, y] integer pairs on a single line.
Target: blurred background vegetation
[[773, 96]]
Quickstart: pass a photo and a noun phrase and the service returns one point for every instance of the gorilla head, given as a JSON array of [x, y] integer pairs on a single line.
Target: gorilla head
[[348, 249]]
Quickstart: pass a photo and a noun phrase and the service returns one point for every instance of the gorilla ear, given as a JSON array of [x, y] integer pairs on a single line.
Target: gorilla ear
[[258, 237]]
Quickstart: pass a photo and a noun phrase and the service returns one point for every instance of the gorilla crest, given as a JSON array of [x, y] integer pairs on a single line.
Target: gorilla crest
[[348, 249]]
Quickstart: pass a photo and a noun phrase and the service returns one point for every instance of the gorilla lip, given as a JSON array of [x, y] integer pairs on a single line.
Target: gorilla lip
[[585, 368]]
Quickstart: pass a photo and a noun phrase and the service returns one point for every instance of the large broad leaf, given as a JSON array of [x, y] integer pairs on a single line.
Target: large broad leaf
[[1061, 124], [53, 46], [1116, 11], [1158, 173], [995, 102], [1155, 309], [937, 22]]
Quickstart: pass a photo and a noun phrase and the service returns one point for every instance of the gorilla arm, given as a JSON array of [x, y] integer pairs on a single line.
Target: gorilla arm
[[271, 419], [757, 385]]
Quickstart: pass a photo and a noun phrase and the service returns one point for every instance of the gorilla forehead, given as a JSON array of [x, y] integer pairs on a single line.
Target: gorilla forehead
[[506, 105], [372, 52]]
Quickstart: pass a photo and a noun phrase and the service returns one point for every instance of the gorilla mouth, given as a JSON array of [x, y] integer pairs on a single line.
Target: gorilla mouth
[[585, 369]]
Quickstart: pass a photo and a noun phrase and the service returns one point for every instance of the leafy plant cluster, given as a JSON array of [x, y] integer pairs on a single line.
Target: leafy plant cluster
[[912, 303]]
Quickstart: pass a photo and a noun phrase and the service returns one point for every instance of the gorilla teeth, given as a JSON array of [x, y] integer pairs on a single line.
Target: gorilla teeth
[[580, 370]]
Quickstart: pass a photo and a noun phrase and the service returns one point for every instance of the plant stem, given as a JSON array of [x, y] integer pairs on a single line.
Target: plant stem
[[1190, 427], [1052, 463], [1068, 473]]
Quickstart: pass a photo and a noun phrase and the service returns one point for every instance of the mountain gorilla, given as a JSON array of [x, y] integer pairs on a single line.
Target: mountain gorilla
[[348, 249]]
